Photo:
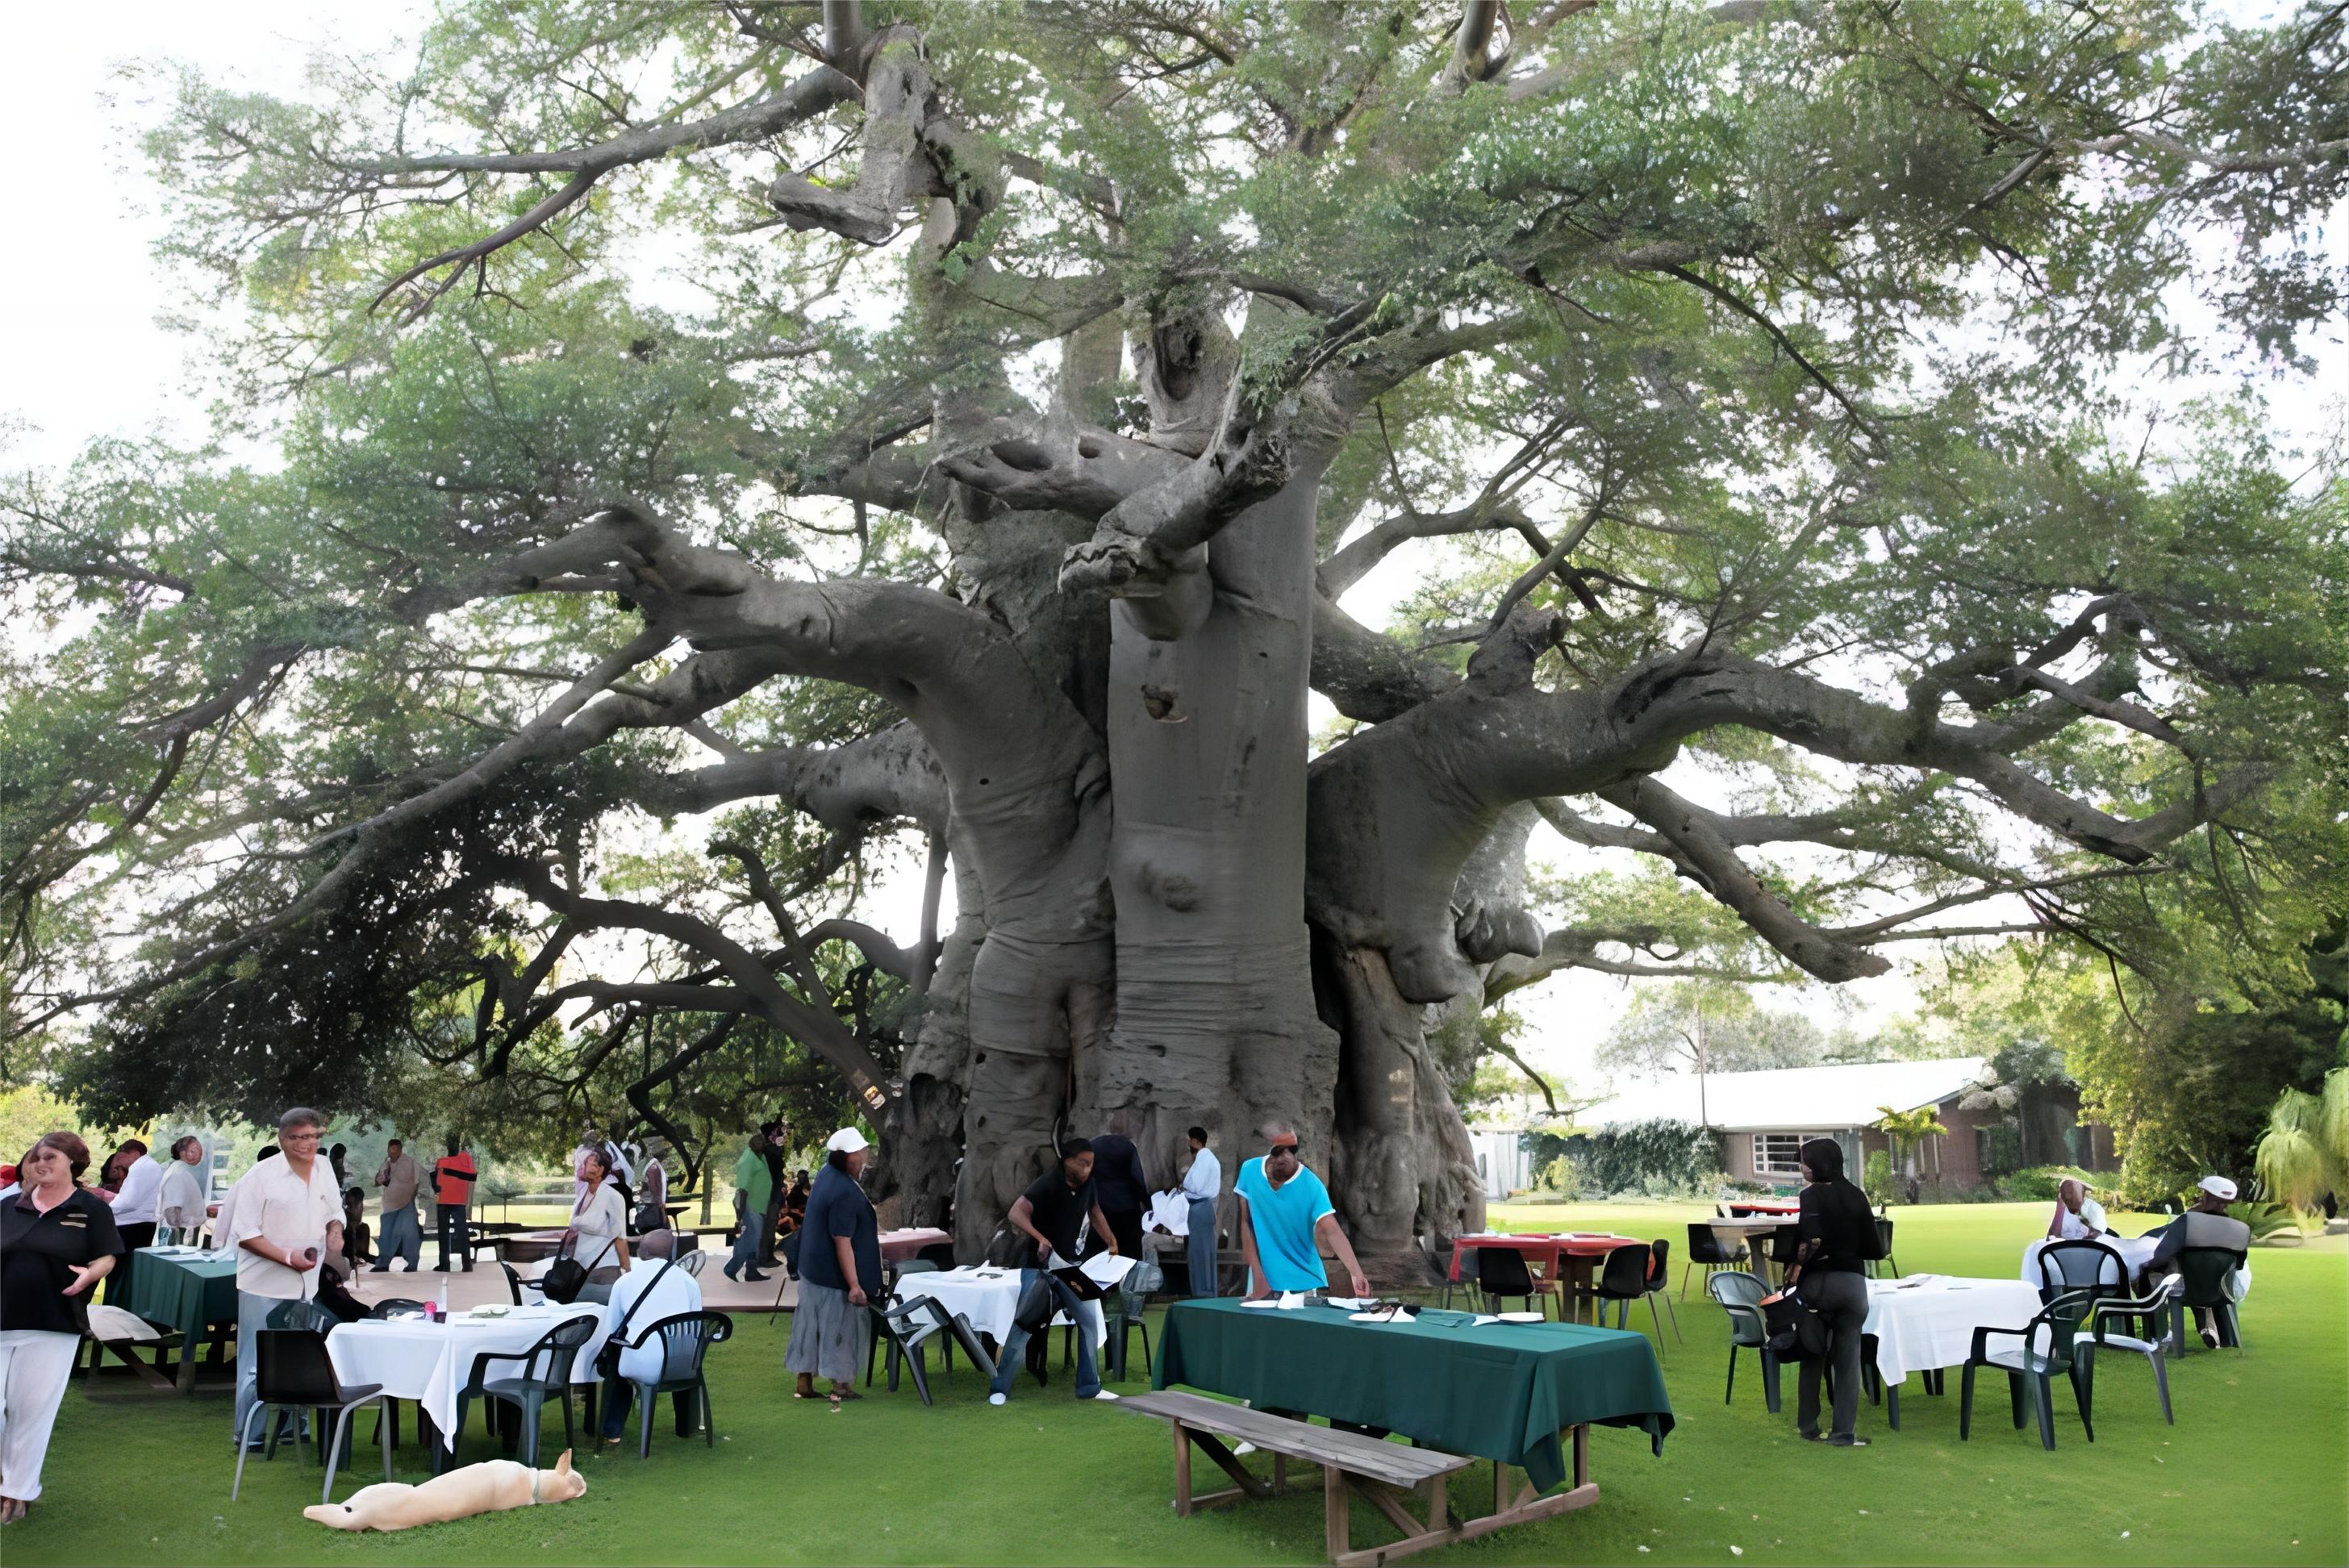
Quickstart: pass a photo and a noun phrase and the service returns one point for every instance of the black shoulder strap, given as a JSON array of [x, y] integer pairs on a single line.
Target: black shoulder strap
[[620, 1336]]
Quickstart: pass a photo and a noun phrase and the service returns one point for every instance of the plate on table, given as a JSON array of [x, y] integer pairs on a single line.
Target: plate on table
[[1275, 1303], [1520, 1318], [1350, 1302]]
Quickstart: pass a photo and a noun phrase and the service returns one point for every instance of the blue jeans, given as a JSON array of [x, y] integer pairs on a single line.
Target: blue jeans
[[617, 1392], [1087, 1315], [1199, 1246], [402, 1236]]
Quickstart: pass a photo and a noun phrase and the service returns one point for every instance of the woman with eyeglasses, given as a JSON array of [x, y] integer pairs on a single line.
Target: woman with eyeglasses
[[57, 1239]]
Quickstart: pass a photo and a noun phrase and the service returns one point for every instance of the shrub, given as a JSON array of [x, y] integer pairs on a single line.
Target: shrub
[[1558, 1177], [2038, 1184], [1876, 1180]]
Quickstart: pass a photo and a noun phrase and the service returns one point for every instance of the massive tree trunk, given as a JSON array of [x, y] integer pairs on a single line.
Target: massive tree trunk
[[1215, 1018]]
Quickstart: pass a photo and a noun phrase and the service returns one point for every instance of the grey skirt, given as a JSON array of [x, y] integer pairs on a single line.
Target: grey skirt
[[828, 1335]]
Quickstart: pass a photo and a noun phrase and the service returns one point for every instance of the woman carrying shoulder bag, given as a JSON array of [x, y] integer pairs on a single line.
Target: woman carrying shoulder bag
[[599, 1223], [1838, 1236]]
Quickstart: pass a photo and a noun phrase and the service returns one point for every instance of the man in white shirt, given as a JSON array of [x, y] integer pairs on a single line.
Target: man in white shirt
[[2077, 1217], [1202, 1183], [665, 1291], [282, 1217], [134, 1218]]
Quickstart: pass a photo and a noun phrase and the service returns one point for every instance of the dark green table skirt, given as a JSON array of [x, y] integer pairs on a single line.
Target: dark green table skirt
[[188, 1294], [1502, 1392]]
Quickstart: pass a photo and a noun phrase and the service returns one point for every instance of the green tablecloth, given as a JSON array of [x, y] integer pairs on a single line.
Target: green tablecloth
[[185, 1293], [1502, 1392]]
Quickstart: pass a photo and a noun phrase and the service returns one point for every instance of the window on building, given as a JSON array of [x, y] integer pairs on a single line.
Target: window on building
[[1779, 1153]]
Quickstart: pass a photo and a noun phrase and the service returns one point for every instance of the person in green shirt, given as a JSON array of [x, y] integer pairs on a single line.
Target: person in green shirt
[[754, 1192]]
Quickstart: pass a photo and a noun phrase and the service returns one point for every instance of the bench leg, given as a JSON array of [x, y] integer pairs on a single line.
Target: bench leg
[[1337, 1508], [1182, 1471]]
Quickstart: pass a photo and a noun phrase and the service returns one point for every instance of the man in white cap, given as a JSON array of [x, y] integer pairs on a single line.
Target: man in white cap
[[2206, 1224]]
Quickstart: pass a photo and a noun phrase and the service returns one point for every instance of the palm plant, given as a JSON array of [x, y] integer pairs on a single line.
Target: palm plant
[[2304, 1153], [1906, 1131]]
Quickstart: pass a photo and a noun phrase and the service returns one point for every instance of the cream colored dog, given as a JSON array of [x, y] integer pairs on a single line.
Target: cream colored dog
[[486, 1487]]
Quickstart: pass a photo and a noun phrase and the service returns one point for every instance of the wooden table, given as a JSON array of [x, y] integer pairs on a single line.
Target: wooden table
[[1753, 1233], [1570, 1258]]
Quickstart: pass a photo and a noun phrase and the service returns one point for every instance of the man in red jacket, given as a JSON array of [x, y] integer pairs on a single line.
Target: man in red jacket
[[452, 1188]]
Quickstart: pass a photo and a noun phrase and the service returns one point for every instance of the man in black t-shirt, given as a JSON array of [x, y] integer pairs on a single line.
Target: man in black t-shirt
[[1059, 1215], [1061, 1212]]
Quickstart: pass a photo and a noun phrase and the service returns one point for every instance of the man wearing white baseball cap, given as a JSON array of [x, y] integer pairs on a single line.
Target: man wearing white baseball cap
[[840, 1274], [2206, 1224]]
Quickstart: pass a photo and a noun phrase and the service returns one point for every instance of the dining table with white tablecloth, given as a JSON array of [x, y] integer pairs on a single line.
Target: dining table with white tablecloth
[[987, 1298], [2135, 1252], [1927, 1321], [431, 1363]]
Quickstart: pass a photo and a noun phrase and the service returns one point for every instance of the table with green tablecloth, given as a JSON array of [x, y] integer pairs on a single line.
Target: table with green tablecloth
[[188, 1294], [1502, 1391]]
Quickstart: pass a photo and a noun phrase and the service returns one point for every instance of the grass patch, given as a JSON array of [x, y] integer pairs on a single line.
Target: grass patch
[[2251, 1472]]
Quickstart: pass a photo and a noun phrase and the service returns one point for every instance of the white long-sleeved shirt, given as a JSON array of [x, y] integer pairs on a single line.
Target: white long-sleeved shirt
[[182, 1201], [1205, 1177], [135, 1203]]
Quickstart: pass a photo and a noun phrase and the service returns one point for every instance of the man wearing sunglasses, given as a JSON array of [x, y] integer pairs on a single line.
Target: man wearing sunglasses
[[1286, 1218]]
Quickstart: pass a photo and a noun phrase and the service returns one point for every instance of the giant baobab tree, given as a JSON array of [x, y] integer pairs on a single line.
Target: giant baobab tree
[[1758, 389]]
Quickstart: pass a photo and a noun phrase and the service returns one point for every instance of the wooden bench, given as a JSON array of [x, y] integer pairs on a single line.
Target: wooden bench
[[121, 1331], [1351, 1465]]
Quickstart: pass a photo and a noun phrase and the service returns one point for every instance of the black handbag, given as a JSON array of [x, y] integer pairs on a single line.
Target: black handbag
[[607, 1359], [1038, 1303], [565, 1277], [1794, 1330]]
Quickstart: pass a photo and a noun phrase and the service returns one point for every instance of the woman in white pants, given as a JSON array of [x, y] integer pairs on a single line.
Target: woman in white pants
[[56, 1240]]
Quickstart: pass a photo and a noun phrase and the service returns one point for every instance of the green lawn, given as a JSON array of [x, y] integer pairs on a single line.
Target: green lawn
[[2251, 1473]]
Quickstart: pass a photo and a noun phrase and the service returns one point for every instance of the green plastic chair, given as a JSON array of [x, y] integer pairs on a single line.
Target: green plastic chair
[[2029, 1367], [2205, 1275], [1740, 1295], [529, 1391], [685, 1341], [2136, 1311]]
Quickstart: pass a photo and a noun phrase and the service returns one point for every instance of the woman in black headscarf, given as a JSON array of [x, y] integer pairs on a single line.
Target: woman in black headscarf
[[1838, 1236]]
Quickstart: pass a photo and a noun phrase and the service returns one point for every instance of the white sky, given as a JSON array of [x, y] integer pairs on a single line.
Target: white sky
[[85, 355]]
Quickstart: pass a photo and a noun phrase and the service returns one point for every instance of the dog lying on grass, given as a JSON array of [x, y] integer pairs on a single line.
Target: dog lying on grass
[[486, 1487]]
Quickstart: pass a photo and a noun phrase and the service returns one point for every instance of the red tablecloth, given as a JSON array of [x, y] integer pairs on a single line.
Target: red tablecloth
[[896, 1246], [1542, 1251]]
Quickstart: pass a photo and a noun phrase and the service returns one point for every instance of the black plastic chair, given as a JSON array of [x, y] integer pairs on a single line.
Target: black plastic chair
[[392, 1307], [2203, 1273], [1740, 1295], [938, 1254], [1623, 1280], [513, 1281], [303, 1313], [903, 1327], [2030, 1368], [1884, 1246], [1501, 1274], [2081, 1265], [1705, 1252], [528, 1392], [292, 1371], [1660, 1284], [685, 1342]]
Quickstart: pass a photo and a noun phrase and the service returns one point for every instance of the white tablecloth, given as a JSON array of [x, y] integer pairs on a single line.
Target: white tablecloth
[[430, 1362], [1933, 1324], [988, 1300]]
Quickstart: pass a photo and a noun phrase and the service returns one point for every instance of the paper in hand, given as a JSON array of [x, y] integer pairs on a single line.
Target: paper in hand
[[1105, 1269]]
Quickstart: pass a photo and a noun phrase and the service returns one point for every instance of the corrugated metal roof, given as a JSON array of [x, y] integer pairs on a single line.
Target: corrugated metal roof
[[1791, 1099]]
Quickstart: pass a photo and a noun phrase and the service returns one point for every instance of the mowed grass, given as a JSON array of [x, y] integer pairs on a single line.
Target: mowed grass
[[2251, 1473]]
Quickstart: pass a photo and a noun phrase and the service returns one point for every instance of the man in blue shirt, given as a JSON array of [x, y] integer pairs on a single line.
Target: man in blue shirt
[[1285, 1216]]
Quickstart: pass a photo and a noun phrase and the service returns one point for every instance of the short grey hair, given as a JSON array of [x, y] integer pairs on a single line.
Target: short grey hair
[[657, 1243], [300, 1116]]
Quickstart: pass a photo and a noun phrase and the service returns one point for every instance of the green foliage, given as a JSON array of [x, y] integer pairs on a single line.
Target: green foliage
[[1877, 1178], [1907, 1130], [1660, 1158], [1559, 1178], [2303, 1155], [2039, 1183]]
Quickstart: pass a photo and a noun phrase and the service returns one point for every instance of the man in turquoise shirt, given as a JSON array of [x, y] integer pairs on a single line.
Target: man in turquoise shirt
[[1285, 1216]]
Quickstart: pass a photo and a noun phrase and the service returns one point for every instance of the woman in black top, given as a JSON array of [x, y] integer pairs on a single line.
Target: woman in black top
[[1838, 1236], [56, 1240]]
